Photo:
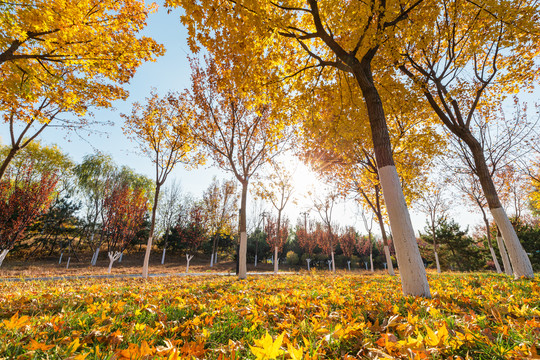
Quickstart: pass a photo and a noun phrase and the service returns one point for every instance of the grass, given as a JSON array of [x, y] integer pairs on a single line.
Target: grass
[[315, 316]]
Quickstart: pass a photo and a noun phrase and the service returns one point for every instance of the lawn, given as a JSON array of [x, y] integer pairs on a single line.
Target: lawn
[[317, 316]]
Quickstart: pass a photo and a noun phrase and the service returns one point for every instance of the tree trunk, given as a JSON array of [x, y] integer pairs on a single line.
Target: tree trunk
[[242, 253], [165, 246], [349, 265], [188, 259], [518, 257], [504, 255], [437, 261], [308, 261], [112, 259], [276, 260], [163, 256], [3, 255], [151, 235], [488, 233], [386, 246], [371, 262], [67, 265], [7, 160], [412, 272], [333, 263], [60, 260], [96, 254]]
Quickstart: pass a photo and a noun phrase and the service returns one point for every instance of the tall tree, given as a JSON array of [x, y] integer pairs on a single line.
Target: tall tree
[[237, 134], [307, 240], [169, 207], [277, 232], [193, 233], [65, 57], [164, 136], [347, 242], [327, 237], [434, 205], [473, 56], [302, 45], [220, 208]]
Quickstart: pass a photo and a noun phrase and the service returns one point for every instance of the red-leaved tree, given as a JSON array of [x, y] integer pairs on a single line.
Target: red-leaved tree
[[193, 234], [23, 198], [307, 242], [326, 240], [124, 209], [277, 233], [347, 242]]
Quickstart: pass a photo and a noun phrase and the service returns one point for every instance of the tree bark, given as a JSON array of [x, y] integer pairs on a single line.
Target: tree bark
[[151, 235], [3, 255], [7, 160], [488, 233], [188, 259], [412, 271], [242, 252], [385, 238], [519, 260], [333, 263]]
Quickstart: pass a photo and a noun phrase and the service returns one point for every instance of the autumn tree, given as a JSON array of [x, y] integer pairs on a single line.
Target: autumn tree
[[277, 232], [347, 242], [64, 58], [124, 208], [170, 205], [23, 198], [164, 136], [302, 45], [193, 234], [434, 205], [220, 208], [239, 135], [327, 239], [307, 240], [465, 64]]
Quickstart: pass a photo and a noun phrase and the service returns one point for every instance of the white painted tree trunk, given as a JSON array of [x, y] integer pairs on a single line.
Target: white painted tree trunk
[[519, 260], [60, 260], [413, 274], [504, 256], [3, 255], [329, 262], [333, 263], [242, 268], [371, 262], [437, 261], [121, 256], [276, 262], [112, 258], [494, 257], [96, 254], [388, 261], [308, 261], [188, 258], [365, 263], [215, 258], [212, 260], [349, 265], [67, 265], [255, 260]]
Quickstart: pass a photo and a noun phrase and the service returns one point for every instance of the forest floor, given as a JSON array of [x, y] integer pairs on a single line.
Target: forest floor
[[303, 316]]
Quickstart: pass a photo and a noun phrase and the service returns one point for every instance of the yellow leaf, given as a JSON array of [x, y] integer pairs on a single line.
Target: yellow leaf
[[34, 345], [266, 348]]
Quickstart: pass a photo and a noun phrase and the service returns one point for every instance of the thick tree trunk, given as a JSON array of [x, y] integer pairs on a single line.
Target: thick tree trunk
[[520, 261], [242, 253], [151, 235], [412, 272], [504, 255], [276, 260], [7, 160]]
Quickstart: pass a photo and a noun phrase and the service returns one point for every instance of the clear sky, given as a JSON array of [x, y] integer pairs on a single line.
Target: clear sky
[[171, 72]]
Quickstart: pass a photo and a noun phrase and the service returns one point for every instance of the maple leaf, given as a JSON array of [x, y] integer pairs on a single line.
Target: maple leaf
[[16, 322], [267, 348], [34, 345]]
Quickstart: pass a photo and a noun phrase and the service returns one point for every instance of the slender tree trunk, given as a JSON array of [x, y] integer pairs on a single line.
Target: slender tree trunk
[[412, 271], [96, 255], [437, 261], [371, 262], [520, 261], [386, 245], [60, 260], [67, 265], [333, 263], [112, 258], [349, 265], [242, 253], [3, 255], [308, 261], [276, 260], [491, 250], [151, 235], [188, 259], [504, 255], [165, 246]]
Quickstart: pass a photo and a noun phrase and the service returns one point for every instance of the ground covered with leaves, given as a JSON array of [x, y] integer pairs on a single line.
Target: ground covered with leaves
[[318, 316]]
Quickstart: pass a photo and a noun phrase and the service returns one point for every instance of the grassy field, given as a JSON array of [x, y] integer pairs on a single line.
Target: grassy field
[[316, 316]]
